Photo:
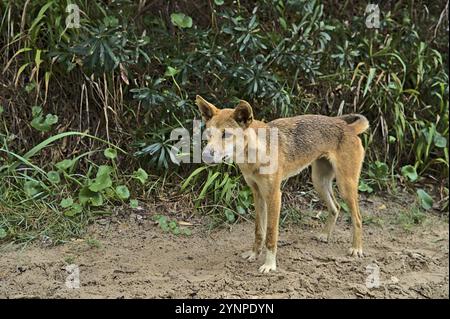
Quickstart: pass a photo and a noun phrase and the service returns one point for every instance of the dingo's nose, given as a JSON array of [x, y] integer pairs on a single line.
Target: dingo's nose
[[208, 155]]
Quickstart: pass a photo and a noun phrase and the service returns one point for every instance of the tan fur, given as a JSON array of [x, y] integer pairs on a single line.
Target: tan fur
[[329, 144]]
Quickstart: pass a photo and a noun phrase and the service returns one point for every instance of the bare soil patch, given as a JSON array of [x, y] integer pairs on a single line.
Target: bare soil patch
[[133, 258]]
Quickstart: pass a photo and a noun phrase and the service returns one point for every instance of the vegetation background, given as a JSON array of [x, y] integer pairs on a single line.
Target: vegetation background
[[86, 113]]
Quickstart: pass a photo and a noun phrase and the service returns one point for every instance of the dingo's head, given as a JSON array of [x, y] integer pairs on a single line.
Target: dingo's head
[[225, 130]]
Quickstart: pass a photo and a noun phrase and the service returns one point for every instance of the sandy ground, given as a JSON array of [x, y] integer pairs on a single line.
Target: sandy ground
[[133, 258]]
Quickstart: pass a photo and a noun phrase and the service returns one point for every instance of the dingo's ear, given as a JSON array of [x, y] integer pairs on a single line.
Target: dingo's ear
[[207, 109], [243, 114]]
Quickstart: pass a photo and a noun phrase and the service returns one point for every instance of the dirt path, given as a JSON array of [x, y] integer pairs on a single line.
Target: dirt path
[[134, 259]]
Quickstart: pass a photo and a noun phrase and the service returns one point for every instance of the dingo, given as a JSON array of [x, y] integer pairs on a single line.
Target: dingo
[[329, 144]]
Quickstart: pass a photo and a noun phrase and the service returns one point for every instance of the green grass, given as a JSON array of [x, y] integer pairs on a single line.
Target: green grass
[[410, 218], [69, 259], [53, 202], [26, 222], [93, 243]]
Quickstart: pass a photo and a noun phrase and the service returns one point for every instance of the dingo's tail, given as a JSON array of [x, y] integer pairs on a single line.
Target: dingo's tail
[[357, 122]]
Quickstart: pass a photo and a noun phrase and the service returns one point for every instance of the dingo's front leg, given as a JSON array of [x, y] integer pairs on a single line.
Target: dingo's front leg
[[273, 215], [260, 226]]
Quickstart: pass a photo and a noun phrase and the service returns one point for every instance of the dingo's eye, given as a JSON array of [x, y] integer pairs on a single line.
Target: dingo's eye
[[226, 134]]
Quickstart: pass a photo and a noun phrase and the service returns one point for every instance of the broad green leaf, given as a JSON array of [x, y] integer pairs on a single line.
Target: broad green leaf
[[380, 169], [36, 111], [165, 227], [181, 20], [66, 202], [173, 224], [440, 141], [363, 187], [30, 87], [70, 213], [38, 124], [3, 233], [241, 210], [104, 170], [44, 125], [171, 71], [87, 196], [32, 188], [219, 2], [110, 153], [134, 203], [110, 192], [123, 192], [75, 210], [97, 200], [162, 219], [65, 164], [53, 176], [410, 172], [51, 119], [229, 215], [141, 175], [163, 223], [344, 206], [100, 183], [425, 200]]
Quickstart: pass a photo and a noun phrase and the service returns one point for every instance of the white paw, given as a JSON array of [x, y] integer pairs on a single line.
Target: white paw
[[249, 255], [264, 269], [270, 264], [355, 252]]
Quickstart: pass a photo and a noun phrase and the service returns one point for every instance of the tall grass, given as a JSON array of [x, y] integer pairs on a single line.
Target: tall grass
[[40, 202]]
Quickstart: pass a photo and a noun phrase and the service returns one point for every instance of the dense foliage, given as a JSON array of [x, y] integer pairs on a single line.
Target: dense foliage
[[86, 112]]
